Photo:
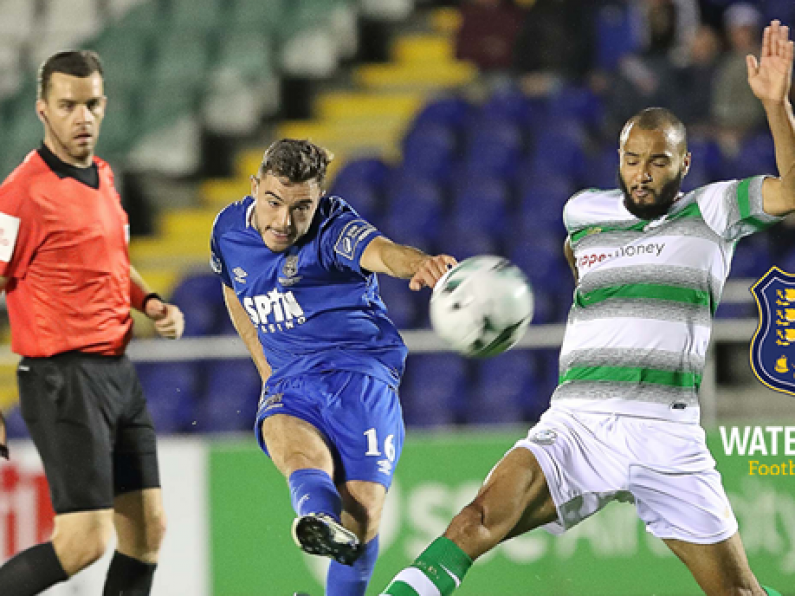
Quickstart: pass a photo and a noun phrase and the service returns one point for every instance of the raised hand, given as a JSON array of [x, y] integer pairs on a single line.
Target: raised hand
[[770, 77]]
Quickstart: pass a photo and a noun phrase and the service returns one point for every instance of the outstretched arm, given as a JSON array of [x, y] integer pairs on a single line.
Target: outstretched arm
[[248, 333], [770, 79], [384, 256]]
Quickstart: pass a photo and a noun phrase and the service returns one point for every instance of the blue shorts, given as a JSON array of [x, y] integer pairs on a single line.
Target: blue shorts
[[359, 416]]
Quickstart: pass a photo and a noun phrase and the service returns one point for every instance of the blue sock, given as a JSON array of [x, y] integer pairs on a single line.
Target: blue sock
[[313, 491], [345, 580]]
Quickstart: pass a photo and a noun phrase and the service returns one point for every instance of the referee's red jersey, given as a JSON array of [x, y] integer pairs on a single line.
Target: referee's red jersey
[[63, 248]]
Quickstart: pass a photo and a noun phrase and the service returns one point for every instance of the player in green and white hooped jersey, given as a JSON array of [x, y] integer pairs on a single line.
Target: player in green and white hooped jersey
[[650, 263]]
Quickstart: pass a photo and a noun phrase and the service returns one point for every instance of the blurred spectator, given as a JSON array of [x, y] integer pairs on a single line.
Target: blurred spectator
[[695, 79], [670, 26], [555, 44], [735, 110], [487, 33]]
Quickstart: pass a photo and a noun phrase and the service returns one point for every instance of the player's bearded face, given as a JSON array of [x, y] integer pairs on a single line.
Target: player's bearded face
[[72, 114], [650, 174], [658, 202], [283, 211]]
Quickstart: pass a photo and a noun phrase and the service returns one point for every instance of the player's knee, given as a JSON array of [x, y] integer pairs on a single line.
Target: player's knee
[[77, 548], [155, 532]]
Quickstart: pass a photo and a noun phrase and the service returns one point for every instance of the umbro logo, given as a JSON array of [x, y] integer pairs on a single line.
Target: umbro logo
[[240, 275]]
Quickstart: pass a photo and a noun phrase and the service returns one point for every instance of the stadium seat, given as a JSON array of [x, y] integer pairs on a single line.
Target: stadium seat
[[257, 14], [541, 205], [602, 168], [575, 103], [465, 244], [231, 396], [500, 389], [451, 112], [480, 205], [201, 300], [414, 211], [372, 171], [360, 196], [756, 156], [171, 391], [429, 153], [401, 302], [192, 15], [434, 391], [15, 425], [181, 57], [558, 149], [493, 149], [513, 106]]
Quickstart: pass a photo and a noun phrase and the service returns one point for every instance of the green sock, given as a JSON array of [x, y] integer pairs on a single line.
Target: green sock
[[771, 591], [436, 572]]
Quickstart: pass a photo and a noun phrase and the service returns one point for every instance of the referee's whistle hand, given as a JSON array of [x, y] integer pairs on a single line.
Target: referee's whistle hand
[[169, 321]]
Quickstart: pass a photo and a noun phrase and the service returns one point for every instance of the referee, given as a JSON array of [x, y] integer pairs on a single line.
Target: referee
[[65, 267]]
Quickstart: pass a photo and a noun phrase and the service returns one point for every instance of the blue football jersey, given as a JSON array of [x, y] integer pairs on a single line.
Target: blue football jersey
[[314, 308]]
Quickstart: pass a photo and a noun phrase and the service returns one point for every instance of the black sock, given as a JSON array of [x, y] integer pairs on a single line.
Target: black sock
[[32, 571], [128, 577]]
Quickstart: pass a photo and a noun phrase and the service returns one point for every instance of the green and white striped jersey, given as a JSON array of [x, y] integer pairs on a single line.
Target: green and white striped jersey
[[638, 330]]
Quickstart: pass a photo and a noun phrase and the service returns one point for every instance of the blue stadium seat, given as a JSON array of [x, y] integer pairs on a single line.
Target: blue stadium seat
[[558, 150], [201, 299], [547, 380], [494, 150], [401, 302], [541, 205], [15, 425], [511, 105], [463, 244], [451, 113], [414, 211], [574, 103], [706, 156], [372, 171], [171, 391], [752, 258], [541, 257], [231, 396], [602, 168], [359, 195], [434, 390], [500, 389], [429, 153], [480, 205], [756, 156]]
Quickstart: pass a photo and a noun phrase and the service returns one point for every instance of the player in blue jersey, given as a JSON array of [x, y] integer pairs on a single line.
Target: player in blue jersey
[[298, 268]]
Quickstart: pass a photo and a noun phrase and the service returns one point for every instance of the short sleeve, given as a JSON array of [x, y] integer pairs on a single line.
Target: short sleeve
[[217, 263], [345, 237], [733, 209], [20, 232]]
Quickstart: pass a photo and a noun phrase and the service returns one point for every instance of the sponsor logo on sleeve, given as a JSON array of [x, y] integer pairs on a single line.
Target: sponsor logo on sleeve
[[215, 263], [9, 229], [350, 237]]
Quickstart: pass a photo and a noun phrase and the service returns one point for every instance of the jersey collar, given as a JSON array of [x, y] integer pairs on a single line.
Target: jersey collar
[[88, 176]]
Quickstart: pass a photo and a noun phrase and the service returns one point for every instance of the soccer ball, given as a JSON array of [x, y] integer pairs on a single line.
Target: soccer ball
[[482, 306]]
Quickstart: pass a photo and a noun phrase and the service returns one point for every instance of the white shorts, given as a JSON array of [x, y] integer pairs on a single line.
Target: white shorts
[[665, 468]]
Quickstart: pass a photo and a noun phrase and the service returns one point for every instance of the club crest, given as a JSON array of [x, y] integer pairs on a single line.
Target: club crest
[[773, 344], [290, 268]]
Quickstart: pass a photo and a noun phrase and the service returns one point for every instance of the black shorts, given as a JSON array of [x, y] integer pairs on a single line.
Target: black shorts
[[87, 417]]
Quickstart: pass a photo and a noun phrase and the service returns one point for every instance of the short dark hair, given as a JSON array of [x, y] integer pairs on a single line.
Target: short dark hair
[[657, 119], [77, 63], [296, 160]]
